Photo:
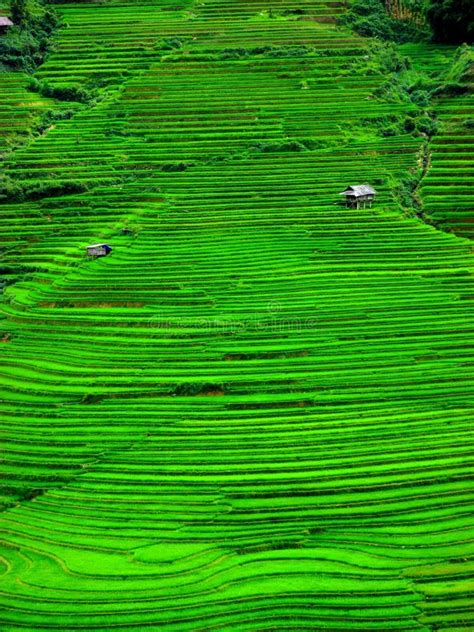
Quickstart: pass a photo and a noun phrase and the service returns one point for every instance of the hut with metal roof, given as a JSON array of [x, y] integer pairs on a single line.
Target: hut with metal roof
[[359, 194], [98, 250], [5, 24]]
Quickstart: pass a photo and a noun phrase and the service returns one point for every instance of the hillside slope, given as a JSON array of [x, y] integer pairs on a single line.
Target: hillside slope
[[255, 413]]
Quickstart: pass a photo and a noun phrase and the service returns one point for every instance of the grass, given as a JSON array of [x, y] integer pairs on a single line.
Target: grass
[[255, 413]]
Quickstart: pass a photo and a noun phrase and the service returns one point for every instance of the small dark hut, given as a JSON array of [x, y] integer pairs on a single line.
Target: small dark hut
[[98, 250], [5, 24], [359, 194]]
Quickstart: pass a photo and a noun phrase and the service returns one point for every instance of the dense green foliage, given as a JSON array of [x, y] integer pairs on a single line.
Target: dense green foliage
[[452, 21], [26, 44], [22, 11], [256, 412], [32, 190], [370, 18], [61, 91]]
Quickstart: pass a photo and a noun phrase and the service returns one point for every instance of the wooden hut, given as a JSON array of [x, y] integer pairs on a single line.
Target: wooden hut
[[359, 194], [5, 24], [98, 250]]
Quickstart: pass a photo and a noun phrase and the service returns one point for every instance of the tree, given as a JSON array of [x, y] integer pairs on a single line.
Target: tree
[[20, 12], [452, 21]]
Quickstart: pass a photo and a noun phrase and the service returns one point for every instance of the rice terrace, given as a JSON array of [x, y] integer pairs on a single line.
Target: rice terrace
[[236, 334]]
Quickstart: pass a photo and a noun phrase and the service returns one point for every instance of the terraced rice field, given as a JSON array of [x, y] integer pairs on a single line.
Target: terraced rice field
[[255, 414], [19, 109], [445, 190]]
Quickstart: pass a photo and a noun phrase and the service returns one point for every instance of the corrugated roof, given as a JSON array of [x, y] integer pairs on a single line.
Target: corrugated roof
[[358, 190], [4, 21]]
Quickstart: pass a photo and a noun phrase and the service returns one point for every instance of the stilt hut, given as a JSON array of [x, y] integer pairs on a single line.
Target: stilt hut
[[359, 194], [98, 250], [5, 24]]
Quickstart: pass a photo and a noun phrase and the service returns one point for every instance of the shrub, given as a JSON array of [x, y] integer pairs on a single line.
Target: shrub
[[10, 190], [195, 388], [292, 145], [169, 167], [420, 98], [50, 117], [427, 125], [460, 77], [169, 44], [406, 191], [451, 89], [31, 494], [61, 91], [35, 190], [409, 124], [391, 130]]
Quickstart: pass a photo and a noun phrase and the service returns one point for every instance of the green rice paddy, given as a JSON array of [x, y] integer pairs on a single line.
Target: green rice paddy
[[255, 414]]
